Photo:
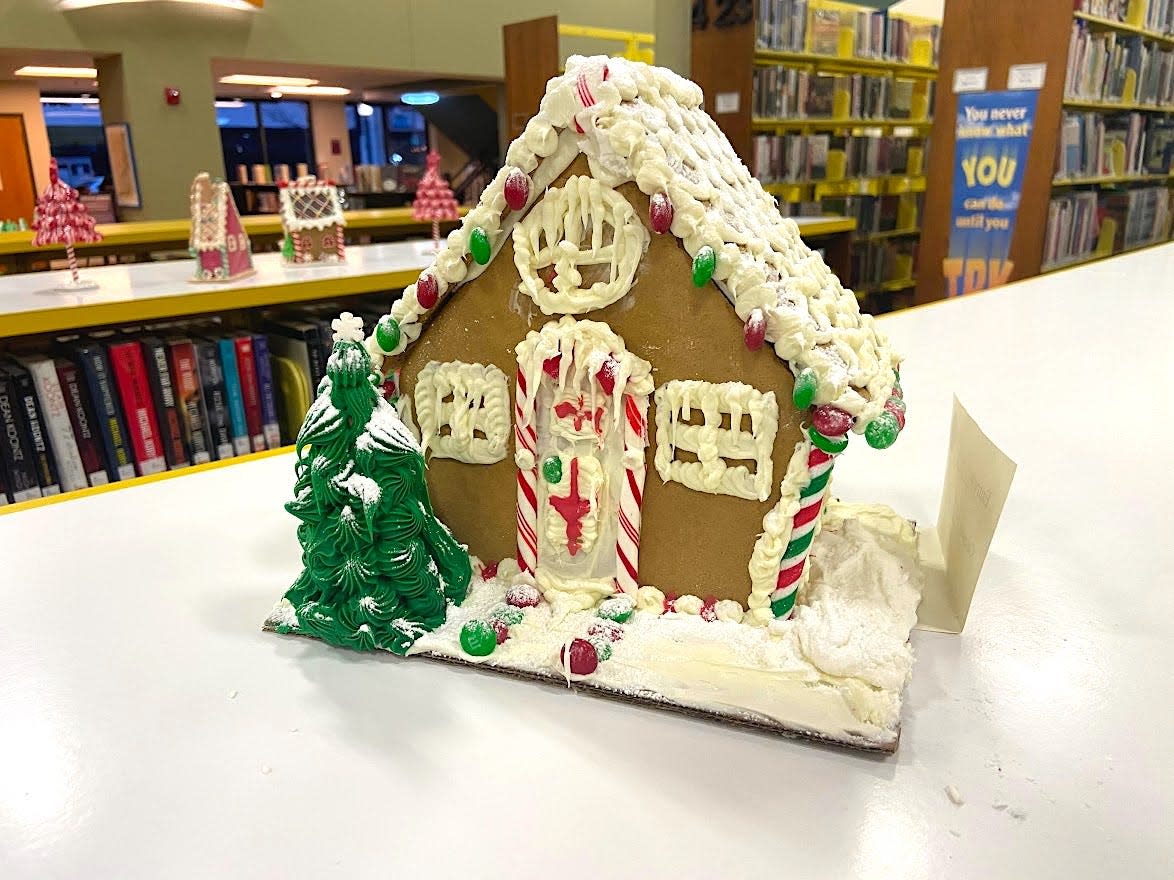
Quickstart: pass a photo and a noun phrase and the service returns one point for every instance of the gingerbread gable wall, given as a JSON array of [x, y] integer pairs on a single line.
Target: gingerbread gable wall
[[692, 542]]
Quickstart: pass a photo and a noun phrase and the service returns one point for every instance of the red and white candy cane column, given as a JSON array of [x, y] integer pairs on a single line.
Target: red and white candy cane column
[[631, 493], [339, 244], [526, 439]]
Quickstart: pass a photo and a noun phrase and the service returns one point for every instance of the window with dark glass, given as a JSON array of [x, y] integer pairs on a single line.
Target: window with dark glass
[[77, 141], [268, 133]]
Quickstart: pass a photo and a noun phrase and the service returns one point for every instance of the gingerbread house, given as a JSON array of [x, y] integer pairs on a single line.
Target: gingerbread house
[[313, 220], [626, 368], [218, 241]]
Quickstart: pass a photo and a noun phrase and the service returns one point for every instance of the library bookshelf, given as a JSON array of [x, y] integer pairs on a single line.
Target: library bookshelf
[[731, 54], [1091, 202]]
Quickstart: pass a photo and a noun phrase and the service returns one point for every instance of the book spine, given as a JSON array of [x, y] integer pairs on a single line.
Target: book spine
[[119, 461], [215, 403], [317, 363], [16, 453], [250, 393], [163, 395], [232, 390], [270, 424], [186, 379], [81, 416], [130, 375], [42, 454]]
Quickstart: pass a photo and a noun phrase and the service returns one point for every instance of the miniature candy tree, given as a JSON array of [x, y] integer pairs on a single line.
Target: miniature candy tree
[[62, 219], [379, 566], [434, 198]]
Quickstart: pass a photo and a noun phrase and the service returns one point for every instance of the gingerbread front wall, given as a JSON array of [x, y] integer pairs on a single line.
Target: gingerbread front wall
[[691, 542]]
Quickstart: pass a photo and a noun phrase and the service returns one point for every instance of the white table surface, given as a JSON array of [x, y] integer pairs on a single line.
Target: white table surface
[[127, 282], [148, 728]]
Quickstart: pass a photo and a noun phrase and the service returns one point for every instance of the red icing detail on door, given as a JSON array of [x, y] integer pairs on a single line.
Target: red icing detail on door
[[581, 413], [572, 507]]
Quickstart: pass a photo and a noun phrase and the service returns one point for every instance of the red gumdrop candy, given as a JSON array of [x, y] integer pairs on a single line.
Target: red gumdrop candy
[[583, 660], [517, 189], [660, 213], [550, 366], [548, 274], [500, 629], [489, 571], [523, 596], [755, 330], [830, 421], [708, 611], [426, 291], [606, 375], [898, 414]]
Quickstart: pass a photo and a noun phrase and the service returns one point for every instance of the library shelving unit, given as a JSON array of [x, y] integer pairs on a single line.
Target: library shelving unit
[[727, 51], [995, 34]]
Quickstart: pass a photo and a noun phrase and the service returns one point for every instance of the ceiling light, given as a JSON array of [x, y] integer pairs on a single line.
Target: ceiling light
[[229, 105], [82, 100], [314, 90], [67, 72], [275, 94], [365, 109], [256, 79], [419, 98]]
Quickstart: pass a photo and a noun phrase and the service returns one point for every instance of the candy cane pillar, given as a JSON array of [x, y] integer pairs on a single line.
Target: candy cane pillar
[[526, 439], [631, 493], [803, 525]]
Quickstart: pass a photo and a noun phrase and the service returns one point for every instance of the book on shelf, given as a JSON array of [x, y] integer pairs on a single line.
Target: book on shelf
[[246, 363], [85, 423], [232, 391], [134, 392], [16, 446], [306, 340], [781, 25], [186, 380], [267, 391], [825, 32], [95, 366], [1109, 66], [46, 463], [166, 406], [214, 398], [1079, 222]]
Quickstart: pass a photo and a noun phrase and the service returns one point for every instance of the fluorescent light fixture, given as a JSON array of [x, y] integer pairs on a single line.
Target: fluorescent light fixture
[[69, 100], [229, 105], [313, 90], [256, 79], [365, 109], [419, 98], [224, 4], [275, 94], [65, 72]]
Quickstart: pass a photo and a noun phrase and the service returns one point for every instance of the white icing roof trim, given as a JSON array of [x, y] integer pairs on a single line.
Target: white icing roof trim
[[647, 125], [209, 218]]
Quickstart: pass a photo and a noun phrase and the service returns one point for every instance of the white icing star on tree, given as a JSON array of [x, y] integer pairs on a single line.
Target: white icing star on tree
[[347, 327]]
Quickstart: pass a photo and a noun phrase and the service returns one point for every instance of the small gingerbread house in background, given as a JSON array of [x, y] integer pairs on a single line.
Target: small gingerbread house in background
[[218, 242], [312, 217], [627, 368]]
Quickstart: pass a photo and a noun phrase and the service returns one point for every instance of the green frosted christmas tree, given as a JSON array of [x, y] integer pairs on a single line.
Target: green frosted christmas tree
[[380, 568]]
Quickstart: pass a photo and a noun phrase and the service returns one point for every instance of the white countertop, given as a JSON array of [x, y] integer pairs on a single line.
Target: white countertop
[[126, 282], [148, 728]]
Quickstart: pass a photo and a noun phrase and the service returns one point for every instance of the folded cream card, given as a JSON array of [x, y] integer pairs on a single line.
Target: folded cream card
[[978, 478]]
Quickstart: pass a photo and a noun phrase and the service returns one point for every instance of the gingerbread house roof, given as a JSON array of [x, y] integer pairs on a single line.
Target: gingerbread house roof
[[642, 124], [210, 200], [308, 203]]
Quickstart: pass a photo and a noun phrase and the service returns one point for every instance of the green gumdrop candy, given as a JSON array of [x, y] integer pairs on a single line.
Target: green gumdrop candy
[[479, 245], [882, 431], [508, 614], [478, 638], [806, 384], [552, 469], [602, 648], [703, 265], [387, 333], [618, 608]]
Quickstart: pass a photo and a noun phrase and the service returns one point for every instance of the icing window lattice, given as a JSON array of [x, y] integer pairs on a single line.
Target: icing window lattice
[[716, 438], [463, 411], [578, 249]]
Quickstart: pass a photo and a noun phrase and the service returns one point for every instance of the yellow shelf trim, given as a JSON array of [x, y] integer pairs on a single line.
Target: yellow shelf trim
[[835, 63], [1124, 27]]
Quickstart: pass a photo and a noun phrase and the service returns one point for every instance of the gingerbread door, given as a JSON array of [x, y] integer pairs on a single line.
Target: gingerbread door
[[581, 430]]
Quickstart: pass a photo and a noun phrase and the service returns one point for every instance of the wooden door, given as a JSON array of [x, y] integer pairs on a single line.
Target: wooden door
[[17, 190]]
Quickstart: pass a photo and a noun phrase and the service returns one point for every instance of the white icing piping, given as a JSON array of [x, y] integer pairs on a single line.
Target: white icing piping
[[480, 402], [710, 442]]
